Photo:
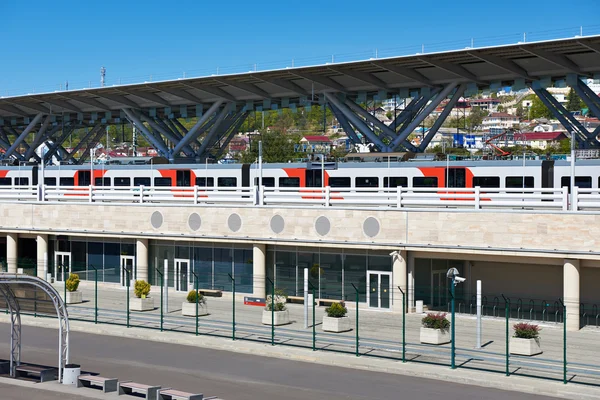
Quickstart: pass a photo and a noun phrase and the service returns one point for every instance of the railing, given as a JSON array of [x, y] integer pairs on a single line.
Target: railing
[[453, 198]]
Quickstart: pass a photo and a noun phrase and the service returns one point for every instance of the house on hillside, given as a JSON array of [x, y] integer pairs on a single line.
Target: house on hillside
[[314, 144], [500, 120], [539, 140]]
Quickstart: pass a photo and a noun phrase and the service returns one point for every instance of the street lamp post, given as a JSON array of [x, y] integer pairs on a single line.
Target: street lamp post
[[453, 274]]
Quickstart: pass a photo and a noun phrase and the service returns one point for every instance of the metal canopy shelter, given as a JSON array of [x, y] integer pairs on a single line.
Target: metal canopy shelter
[[221, 102], [31, 294]]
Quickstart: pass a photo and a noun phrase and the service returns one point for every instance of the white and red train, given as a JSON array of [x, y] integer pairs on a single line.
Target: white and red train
[[408, 174]]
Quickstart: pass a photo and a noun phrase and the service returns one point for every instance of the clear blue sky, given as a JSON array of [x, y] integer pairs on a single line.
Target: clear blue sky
[[45, 43]]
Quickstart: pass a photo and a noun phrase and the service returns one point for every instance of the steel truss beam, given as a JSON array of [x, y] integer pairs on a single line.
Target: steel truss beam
[[57, 144], [442, 117], [232, 131], [193, 133], [23, 135], [159, 145], [40, 138], [90, 144], [217, 129], [84, 140], [346, 126], [189, 152]]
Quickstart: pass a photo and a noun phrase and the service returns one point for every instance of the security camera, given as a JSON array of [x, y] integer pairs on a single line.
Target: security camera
[[459, 279]]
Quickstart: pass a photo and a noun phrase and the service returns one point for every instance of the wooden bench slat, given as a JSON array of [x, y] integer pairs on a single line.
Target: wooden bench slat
[[133, 385], [31, 368]]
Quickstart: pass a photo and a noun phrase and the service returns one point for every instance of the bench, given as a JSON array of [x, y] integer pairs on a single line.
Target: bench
[[131, 387], [211, 292], [4, 367], [295, 299], [107, 384], [172, 394], [328, 302], [45, 373]]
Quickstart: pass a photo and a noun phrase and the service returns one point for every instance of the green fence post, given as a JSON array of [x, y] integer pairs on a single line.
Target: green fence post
[[232, 307], [314, 328], [453, 323], [506, 315], [357, 337], [161, 298], [65, 289], [272, 311], [403, 325], [196, 288], [95, 294], [564, 341], [128, 285]]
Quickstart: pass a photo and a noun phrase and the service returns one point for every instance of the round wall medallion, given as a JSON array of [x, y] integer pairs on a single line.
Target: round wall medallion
[[371, 227], [322, 226], [194, 221], [234, 222], [277, 224], [156, 219]]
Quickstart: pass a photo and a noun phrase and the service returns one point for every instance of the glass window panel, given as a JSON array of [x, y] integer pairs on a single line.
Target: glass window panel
[[165, 182], [79, 261], [243, 270], [95, 257], [331, 278], [584, 182], [203, 266], [47, 181], [223, 267], [487, 181], [395, 181], [285, 262], [5, 181], [266, 181], [289, 182], [112, 262], [205, 182], [355, 272], [102, 182], [67, 182], [310, 260], [142, 182], [22, 181], [425, 181], [517, 182], [380, 263], [367, 181], [338, 181], [227, 182], [122, 181]]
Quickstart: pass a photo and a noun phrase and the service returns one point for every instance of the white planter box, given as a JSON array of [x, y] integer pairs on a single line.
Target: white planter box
[[337, 325], [139, 304], [74, 297], [434, 336], [189, 309], [524, 347], [281, 317]]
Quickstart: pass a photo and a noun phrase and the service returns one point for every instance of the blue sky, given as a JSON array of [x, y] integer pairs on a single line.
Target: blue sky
[[46, 43]]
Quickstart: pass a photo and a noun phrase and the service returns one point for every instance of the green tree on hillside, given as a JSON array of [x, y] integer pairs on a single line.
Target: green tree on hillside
[[277, 147], [539, 110], [574, 102]]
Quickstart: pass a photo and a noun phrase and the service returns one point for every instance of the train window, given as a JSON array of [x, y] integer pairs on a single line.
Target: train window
[[339, 181], [142, 182], [425, 181], [367, 181], [67, 181], [456, 177], [5, 181], [22, 181], [290, 182], [583, 182], [122, 181], [267, 182], [49, 181], [205, 182], [395, 181], [102, 182], [162, 181], [227, 182], [517, 182], [486, 181]]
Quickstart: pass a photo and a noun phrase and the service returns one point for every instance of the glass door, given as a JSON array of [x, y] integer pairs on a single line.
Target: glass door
[[439, 289], [379, 284], [62, 263], [128, 263], [182, 275]]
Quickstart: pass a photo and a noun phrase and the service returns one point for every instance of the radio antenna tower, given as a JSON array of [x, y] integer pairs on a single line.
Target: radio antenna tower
[[102, 75]]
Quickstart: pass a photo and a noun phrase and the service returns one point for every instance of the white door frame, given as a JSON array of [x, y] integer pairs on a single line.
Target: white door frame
[[123, 274], [61, 254], [177, 273], [379, 289]]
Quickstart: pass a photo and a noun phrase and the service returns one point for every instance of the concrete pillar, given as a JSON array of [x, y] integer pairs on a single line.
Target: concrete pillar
[[410, 284], [12, 239], [42, 256], [571, 281], [141, 259], [259, 270], [399, 278]]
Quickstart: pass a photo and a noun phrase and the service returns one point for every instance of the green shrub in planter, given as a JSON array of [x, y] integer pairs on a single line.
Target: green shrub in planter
[[336, 310], [193, 295], [436, 321], [280, 301], [72, 283], [141, 289], [524, 330]]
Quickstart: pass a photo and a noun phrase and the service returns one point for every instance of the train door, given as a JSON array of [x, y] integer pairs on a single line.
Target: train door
[[184, 177], [85, 178], [456, 177], [313, 178]]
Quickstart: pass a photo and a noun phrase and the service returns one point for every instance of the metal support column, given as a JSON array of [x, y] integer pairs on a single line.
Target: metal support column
[[194, 132], [160, 147], [442, 117]]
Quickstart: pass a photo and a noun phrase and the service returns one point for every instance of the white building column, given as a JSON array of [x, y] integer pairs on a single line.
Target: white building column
[[141, 259], [259, 270], [410, 284], [571, 283], [12, 239], [399, 278], [42, 256]]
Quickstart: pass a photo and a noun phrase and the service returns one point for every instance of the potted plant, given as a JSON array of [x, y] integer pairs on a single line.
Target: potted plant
[[188, 308], [141, 301], [435, 329], [74, 296], [336, 319], [526, 340], [275, 307]]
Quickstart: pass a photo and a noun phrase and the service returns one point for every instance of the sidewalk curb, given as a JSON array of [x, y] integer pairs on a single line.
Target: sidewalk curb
[[426, 371]]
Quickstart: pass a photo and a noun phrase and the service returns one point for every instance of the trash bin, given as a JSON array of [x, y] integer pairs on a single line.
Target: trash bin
[[70, 374], [419, 306]]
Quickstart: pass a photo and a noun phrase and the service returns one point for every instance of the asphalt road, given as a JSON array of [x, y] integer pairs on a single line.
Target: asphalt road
[[231, 376]]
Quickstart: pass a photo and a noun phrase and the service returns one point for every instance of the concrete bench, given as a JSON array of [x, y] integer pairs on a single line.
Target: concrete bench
[[211, 292], [295, 299], [45, 373], [150, 392], [172, 394], [328, 302], [107, 384]]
